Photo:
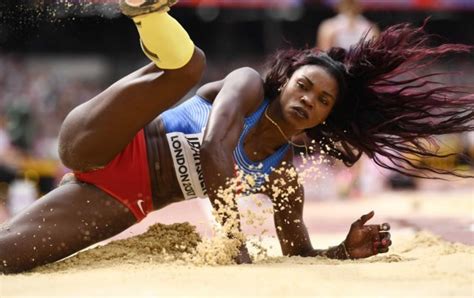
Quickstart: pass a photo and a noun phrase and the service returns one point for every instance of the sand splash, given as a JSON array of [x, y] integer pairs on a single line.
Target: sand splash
[[160, 244], [180, 244]]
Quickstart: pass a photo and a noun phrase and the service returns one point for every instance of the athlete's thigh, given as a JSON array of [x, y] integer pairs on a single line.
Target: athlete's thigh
[[66, 220], [111, 119], [104, 122]]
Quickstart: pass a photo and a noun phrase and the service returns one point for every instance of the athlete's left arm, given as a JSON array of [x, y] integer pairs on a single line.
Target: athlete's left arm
[[287, 195]]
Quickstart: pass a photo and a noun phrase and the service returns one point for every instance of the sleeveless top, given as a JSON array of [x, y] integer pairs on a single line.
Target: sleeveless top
[[184, 126]]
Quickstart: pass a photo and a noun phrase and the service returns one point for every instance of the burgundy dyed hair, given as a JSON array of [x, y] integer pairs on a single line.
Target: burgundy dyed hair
[[384, 108]]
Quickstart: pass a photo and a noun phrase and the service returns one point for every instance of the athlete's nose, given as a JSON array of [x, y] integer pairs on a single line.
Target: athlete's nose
[[306, 102]]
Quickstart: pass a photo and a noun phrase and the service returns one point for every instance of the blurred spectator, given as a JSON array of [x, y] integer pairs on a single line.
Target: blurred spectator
[[31, 92], [34, 100], [346, 28], [20, 126], [9, 158], [8, 169]]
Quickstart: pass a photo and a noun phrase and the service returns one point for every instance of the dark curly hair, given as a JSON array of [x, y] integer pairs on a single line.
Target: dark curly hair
[[384, 108]]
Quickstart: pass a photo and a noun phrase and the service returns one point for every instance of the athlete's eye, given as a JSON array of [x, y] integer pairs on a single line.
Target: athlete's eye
[[324, 100], [301, 85]]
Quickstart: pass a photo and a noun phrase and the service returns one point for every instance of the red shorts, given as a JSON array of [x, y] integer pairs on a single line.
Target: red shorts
[[126, 177]]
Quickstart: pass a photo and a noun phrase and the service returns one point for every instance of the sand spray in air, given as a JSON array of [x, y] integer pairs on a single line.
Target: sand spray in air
[[220, 249], [28, 14]]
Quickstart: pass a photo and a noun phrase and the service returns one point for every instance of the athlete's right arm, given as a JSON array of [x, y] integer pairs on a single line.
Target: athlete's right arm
[[241, 94]]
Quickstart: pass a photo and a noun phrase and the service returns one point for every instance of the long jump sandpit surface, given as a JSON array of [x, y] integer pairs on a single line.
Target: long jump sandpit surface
[[432, 255]]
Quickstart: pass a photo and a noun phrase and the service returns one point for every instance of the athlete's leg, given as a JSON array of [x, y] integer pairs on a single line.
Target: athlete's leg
[[96, 131], [66, 220]]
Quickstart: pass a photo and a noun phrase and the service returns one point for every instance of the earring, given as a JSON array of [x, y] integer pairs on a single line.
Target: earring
[[281, 87]]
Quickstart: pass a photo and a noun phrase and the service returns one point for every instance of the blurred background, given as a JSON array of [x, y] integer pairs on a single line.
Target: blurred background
[[55, 55]]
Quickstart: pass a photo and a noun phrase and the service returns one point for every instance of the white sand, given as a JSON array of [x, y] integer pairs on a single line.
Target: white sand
[[419, 264], [425, 266]]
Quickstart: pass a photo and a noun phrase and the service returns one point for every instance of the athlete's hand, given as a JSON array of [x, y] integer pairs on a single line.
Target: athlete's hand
[[243, 257], [367, 240]]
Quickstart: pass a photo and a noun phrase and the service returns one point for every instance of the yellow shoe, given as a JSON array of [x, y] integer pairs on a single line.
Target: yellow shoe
[[133, 8]]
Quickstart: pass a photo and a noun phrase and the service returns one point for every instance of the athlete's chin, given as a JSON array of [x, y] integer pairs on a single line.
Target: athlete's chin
[[299, 127], [296, 122], [302, 124]]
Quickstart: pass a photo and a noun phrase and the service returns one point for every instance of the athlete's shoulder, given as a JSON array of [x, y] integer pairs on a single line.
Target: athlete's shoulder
[[248, 86], [248, 75], [244, 81], [247, 80], [249, 71]]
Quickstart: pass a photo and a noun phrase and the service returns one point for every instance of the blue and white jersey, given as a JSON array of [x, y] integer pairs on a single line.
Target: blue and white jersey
[[184, 126]]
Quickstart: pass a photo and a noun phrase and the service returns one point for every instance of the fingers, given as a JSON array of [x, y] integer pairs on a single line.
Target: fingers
[[364, 218], [382, 246], [385, 243], [373, 231], [385, 235], [384, 227]]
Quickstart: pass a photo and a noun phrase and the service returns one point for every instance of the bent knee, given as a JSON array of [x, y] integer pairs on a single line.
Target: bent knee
[[68, 135], [78, 156], [77, 143], [82, 158], [194, 69]]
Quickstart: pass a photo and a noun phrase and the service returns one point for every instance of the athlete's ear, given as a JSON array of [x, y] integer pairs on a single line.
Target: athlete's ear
[[283, 86]]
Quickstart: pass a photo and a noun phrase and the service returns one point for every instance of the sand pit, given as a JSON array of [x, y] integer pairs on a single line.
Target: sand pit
[[420, 263]]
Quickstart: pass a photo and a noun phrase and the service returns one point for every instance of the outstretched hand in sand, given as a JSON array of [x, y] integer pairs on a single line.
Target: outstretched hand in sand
[[364, 241]]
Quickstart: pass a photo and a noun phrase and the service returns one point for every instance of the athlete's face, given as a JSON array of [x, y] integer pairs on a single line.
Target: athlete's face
[[308, 97]]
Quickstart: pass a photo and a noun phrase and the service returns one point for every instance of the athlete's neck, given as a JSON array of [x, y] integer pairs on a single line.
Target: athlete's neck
[[276, 125]]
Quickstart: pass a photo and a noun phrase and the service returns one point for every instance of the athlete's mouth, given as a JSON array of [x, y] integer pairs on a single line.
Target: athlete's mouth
[[301, 112]]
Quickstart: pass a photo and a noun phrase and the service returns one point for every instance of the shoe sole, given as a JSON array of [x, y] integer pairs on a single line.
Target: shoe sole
[[146, 7]]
